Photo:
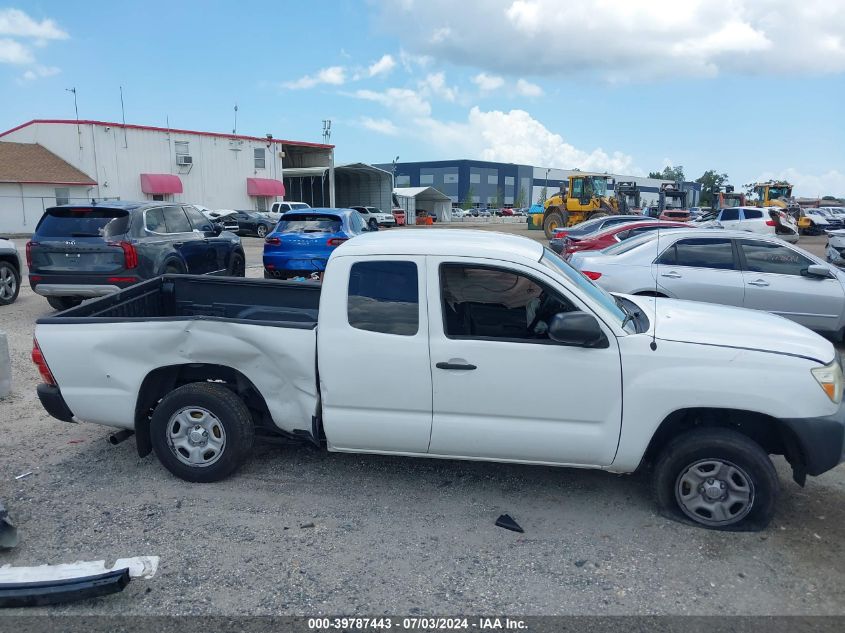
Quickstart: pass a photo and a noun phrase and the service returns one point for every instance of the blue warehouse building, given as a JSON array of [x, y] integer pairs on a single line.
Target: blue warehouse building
[[519, 185]]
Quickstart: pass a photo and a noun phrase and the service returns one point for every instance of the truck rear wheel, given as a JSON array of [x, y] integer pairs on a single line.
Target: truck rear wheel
[[718, 478], [554, 220], [202, 432]]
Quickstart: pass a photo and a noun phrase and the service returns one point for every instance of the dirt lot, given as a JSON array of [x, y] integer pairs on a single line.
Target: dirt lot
[[393, 535]]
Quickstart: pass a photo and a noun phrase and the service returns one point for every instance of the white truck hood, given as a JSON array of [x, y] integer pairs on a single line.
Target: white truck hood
[[726, 326]]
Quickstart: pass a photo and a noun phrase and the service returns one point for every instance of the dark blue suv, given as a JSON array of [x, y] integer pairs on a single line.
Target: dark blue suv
[[82, 251]]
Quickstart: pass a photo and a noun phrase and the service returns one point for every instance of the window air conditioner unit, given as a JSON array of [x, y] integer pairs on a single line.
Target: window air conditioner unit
[[184, 159]]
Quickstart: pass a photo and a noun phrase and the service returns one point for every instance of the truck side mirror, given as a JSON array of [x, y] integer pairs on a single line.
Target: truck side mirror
[[577, 329]]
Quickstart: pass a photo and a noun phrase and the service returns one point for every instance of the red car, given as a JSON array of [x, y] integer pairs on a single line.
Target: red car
[[675, 215], [616, 234], [506, 212]]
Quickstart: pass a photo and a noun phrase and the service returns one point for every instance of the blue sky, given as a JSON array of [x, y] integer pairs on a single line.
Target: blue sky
[[753, 88]]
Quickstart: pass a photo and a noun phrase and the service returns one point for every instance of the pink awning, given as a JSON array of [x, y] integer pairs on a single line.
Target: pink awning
[[160, 183], [264, 187]]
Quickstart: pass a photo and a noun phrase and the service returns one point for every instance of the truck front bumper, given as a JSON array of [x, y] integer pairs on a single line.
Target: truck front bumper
[[53, 402], [821, 440]]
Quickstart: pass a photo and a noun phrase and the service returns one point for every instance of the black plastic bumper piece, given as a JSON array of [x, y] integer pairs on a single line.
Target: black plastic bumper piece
[[822, 440], [51, 399], [36, 594]]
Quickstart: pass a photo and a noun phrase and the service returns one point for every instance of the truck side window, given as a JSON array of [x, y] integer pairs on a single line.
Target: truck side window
[[384, 297], [176, 220], [493, 303], [729, 214]]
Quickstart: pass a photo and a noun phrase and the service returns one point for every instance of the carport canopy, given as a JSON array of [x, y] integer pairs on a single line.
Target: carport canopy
[[414, 199], [356, 184]]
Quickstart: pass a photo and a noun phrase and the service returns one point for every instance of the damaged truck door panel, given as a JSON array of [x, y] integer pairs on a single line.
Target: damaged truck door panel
[[619, 381]]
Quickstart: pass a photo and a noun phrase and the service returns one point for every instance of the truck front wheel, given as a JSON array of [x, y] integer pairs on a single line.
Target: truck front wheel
[[718, 478], [556, 219], [202, 432]]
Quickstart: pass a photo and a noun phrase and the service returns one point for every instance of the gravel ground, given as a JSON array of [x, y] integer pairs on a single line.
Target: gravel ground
[[298, 531]]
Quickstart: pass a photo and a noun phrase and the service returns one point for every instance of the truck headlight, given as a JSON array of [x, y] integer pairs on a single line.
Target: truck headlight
[[830, 379]]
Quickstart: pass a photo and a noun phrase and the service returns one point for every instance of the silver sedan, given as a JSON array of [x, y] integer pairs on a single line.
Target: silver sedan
[[729, 267]]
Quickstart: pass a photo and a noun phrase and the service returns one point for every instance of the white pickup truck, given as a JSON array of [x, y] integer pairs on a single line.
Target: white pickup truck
[[489, 347]]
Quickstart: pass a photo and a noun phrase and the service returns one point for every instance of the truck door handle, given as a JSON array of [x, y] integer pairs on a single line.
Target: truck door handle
[[460, 366], [758, 282], [671, 275]]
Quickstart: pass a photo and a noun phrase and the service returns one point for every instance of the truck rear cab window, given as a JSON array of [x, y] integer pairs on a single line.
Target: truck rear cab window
[[384, 297], [482, 302]]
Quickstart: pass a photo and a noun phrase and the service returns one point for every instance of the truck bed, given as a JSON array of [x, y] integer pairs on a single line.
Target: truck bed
[[171, 297]]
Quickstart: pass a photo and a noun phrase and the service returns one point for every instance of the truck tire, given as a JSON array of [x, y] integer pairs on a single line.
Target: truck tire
[[63, 303], [10, 283], [202, 432], [718, 478], [555, 219], [237, 266]]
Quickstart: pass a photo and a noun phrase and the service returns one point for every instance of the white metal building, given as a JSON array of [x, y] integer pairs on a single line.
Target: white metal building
[[137, 162]]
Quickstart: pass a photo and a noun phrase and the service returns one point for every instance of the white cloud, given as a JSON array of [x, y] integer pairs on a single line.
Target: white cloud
[[435, 84], [830, 183], [13, 52], [382, 126], [16, 23], [382, 66], [487, 82], [333, 75], [402, 101], [527, 89], [411, 62], [621, 40], [38, 72], [513, 136]]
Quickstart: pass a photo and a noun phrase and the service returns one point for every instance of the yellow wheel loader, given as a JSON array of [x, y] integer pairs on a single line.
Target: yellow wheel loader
[[585, 197]]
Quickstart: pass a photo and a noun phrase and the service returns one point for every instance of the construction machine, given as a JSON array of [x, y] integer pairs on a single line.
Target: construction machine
[[672, 203], [628, 197], [585, 197], [727, 198], [778, 193]]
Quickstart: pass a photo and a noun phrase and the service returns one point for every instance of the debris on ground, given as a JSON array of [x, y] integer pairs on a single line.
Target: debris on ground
[[507, 522], [22, 475]]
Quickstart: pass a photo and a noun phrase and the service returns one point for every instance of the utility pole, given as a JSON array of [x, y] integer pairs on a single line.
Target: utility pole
[[76, 110], [235, 128], [327, 135]]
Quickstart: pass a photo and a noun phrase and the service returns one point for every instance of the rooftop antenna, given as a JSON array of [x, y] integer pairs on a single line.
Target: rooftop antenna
[[235, 127], [76, 110], [327, 130], [123, 117]]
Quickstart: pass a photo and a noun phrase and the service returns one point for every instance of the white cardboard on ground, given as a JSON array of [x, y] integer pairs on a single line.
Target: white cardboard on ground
[[139, 567]]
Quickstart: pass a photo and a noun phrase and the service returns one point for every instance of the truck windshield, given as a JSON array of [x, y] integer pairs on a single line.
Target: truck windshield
[[308, 224], [599, 186], [597, 294]]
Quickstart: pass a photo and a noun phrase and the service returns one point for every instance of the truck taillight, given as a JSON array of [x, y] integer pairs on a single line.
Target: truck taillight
[[273, 241], [130, 255], [589, 274], [335, 241], [29, 254], [43, 369]]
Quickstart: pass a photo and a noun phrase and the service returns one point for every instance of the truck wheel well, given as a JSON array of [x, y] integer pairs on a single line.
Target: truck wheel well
[[772, 435], [159, 382]]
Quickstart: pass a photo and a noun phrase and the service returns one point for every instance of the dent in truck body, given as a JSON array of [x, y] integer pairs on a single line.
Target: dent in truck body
[[278, 361]]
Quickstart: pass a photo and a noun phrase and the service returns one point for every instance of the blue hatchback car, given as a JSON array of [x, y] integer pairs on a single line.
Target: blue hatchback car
[[303, 241]]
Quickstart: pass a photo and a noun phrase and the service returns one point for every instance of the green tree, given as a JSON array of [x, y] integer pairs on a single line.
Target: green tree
[[467, 202], [521, 198], [543, 195], [830, 198], [669, 173], [710, 182]]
